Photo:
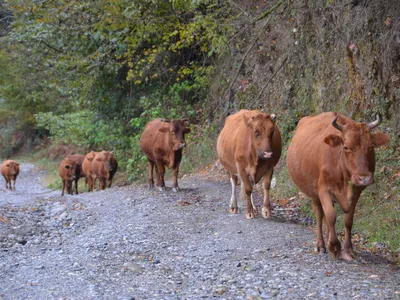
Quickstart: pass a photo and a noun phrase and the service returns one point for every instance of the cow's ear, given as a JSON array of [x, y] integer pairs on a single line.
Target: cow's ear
[[67, 167], [163, 129], [99, 158], [333, 140], [247, 120], [186, 130], [380, 139]]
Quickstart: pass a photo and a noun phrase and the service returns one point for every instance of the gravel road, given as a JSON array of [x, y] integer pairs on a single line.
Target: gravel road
[[131, 243]]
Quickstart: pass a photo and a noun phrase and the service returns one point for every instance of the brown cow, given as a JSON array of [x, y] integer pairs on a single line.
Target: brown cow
[[67, 171], [332, 159], [249, 146], [87, 169], [104, 166], [162, 142], [10, 171], [78, 158]]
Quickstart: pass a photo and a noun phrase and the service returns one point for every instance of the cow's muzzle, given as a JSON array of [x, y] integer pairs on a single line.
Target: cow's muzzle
[[363, 180], [265, 154]]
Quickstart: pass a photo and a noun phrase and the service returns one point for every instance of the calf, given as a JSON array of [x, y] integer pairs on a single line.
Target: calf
[[87, 169], [67, 171], [10, 171], [249, 146], [162, 142], [104, 166], [78, 158]]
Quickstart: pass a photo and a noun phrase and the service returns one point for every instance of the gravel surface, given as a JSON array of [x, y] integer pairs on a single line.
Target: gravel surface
[[131, 243]]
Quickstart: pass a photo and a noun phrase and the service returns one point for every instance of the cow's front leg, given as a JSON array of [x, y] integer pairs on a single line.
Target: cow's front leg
[[246, 192], [175, 172], [233, 208], [334, 245], [320, 244], [161, 173], [266, 208], [63, 187]]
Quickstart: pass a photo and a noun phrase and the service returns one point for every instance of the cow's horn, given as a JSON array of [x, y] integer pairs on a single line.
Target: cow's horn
[[375, 123], [165, 120], [336, 125], [273, 117]]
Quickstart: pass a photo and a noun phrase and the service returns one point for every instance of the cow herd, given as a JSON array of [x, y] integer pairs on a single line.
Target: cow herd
[[331, 159]]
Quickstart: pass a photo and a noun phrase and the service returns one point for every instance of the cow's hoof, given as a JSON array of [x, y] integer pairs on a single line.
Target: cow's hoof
[[176, 189], [151, 185], [266, 213], [233, 210], [250, 216], [320, 249], [346, 256], [162, 189]]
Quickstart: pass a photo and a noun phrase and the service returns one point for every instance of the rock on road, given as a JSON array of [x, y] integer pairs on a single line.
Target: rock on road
[[131, 243]]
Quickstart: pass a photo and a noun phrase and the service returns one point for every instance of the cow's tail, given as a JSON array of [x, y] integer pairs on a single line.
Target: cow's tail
[[242, 191]]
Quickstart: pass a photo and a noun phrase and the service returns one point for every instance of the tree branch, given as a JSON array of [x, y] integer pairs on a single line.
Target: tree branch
[[269, 80], [51, 47]]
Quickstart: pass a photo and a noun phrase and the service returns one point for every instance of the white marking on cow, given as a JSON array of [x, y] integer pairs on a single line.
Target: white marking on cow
[[252, 201], [233, 197]]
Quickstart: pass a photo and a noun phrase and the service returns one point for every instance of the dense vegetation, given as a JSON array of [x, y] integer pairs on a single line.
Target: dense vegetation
[[90, 74]]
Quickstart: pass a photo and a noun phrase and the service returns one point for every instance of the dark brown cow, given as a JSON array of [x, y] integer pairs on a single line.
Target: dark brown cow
[[87, 169], [162, 142], [332, 160], [67, 171], [10, 171], [78, 158], [104, 166], [249, 146]]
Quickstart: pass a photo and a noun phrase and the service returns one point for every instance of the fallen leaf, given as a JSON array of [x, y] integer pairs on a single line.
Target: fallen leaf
[[184, 203], [3, 220]]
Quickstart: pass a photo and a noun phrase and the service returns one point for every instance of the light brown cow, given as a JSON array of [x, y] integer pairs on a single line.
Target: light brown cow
[[78, 158], [87, 169], [67, 173], [104, 166], [10, 171], [162, 142], [249, 146], [332, 160]]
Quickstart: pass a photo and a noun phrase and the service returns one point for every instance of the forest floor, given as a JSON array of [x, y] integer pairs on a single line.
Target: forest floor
[[131, 243]]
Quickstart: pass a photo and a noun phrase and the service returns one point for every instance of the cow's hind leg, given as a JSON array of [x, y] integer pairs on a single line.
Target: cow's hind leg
[[233, 208], [161, 173], [334, 245], [266, 208], [150, 179], [319, 214], [175, 172]]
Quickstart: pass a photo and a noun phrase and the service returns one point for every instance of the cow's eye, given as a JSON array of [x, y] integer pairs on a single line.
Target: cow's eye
[[257, 134], [346, 148]]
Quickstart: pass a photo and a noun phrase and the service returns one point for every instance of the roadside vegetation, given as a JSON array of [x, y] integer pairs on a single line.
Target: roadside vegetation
[[77, 76]]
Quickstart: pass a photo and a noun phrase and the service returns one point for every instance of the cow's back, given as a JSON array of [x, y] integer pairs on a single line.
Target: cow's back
[[153, 142], [307, 152]]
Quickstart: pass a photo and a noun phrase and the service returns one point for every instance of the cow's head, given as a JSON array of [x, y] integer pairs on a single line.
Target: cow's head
[[13, 168], [70, 169], [106, 158], [357, 148], [262, 126], [90, 156], [177, 130]]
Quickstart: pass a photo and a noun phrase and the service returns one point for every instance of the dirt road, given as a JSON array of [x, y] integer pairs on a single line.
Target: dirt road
[[131, 243]]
